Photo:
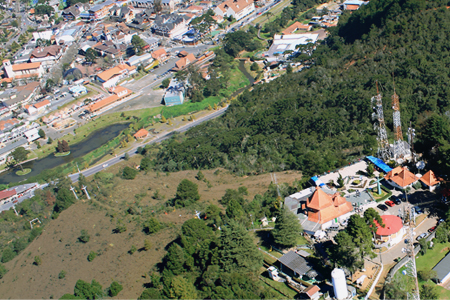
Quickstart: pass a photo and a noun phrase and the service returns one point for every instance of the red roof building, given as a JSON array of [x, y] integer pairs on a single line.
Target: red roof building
[[142, 133], [7, 195], [323, 208], [297, 26], [391, 233], [430, 180], [401, 178]]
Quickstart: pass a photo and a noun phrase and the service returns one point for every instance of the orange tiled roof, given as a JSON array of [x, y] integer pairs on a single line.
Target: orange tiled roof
[[157, 54], [325, 208], [352, 7], [10, 121], [118, 89], [108, 74], [401, 176], [141, 133], [430, 178], [26, 66], [41, 104], [102, 103], [185, 61], [236, 5], [296, 26]]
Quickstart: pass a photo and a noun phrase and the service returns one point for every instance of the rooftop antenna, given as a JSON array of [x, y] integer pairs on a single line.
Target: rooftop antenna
[[384, 151], [399, 150]]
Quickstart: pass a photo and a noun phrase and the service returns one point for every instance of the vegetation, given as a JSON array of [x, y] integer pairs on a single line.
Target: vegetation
[[287, 229], [115, 288], [92, 255], [129, 173], [187, 193], [84, 237], [19, 155]]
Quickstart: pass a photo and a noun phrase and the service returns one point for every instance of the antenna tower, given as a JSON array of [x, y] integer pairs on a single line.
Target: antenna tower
[[384, 151], [399, 151], [411, 135]]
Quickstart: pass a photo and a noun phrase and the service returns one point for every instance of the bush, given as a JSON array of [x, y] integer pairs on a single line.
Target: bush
[[3, 271], [115, 288], [129, 173], [62, 274], [152, 225], [84, 237], [37, 260], [91, 256], [132, 250], [7, 255]]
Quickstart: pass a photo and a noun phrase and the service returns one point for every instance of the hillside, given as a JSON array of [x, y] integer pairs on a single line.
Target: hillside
[[320, 119]]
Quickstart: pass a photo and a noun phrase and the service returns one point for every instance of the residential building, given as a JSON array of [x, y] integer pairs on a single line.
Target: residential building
[[312, 292], [37, 107], [7, 196], [111, 76], [167, 6], [297, 26], [43, 35], [160, 55], [119, 94], [143, 59], [141, 134], [152, 42], [353, 5], [170, 25], [184, 62], [294, 265], [32, 135], [19, 95], [73, 12], [442, 269], [401, 178], [46, 55], [110, 48], [174, 93], [235, 8], [288, 42], [100, 11], [22, 71], [121, 14]]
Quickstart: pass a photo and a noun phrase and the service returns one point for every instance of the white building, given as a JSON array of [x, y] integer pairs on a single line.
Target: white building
[[235, 8], [282, 43], [22, 71]]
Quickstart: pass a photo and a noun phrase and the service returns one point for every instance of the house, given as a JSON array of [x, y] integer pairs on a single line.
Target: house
[[152, 42], [6, 196], [121, 14], [104, 48], [294, 264], [100, 11], [119, 94], [143, 59], [166, 6], [353, 5], [235, 8], [46, 55], [391, 234], [170, 25], [297, 26], [283, 44], [32, 135], [442, 269], [19, 95], [41, 106], [22, 71], [141, 134], [111, 76], [401, 178], [73, 12], [174, 93], [7, 125], [430, 180], [312, 292], [184, 62], [160, 55], [326, 209]]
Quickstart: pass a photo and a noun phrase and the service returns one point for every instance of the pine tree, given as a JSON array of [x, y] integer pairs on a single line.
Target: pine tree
[[170, 122], [163, 119], [209, 107], [287, 229], [215, 106]]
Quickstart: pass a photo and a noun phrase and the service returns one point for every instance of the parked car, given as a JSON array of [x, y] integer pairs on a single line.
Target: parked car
[[432, 229], [389, 203], [15, 201], [418, 210], [396, 200], [440, 221], [422, 236], [382, 207], [402, 198]]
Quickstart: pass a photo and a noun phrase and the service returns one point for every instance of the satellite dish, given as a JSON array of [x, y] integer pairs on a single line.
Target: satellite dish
[[420, 165]]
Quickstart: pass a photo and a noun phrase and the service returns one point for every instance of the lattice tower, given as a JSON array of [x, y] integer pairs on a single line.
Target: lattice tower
[[400, 150], [410, 265], [384, 151]]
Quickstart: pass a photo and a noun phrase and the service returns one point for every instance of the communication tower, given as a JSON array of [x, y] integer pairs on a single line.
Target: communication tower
[[400, 150], [384, 151]]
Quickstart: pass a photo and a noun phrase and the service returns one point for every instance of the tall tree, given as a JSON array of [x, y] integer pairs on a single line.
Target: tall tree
[[19, 155], [237, 250], [187, 193], [287, 229]]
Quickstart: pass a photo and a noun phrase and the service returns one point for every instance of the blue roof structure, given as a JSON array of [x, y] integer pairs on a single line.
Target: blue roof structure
[[379, 163], [317, 181]]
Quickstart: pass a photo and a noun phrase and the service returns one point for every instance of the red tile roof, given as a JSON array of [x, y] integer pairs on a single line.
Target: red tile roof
[[401, 176], [102, 103], [393, 224], [159, 54], [311, 290], [296, 26], [26, 66], [41, 104], [430, 178], [325, 208], [352, 7], [6, 194], [142, 133]]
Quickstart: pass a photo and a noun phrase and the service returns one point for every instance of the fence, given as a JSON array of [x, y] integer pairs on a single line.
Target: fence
[[374, 282]]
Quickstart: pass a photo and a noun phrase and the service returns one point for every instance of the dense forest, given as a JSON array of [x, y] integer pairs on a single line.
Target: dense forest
[[320, 119]]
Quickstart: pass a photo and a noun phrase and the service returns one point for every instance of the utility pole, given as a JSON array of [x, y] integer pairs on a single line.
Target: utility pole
[[86, 192], [73, 191]]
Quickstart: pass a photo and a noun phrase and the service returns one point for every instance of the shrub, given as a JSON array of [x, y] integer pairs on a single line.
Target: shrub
[[3, 271], [152, 225], [84, 237], [37, 260], [115, 288], [133, 249], [91, 256], [7, 255], [62, 274], [129, 173]]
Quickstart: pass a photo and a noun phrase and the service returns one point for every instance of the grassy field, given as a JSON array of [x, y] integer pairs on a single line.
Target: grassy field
[[59, 249]]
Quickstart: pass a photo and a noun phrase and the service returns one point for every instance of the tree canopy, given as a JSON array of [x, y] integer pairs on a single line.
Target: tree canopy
[[287, 229]]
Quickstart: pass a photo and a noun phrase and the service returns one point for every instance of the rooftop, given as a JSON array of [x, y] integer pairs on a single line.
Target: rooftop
[[430, 179], [401, 176], [295, 262], [393, 224]]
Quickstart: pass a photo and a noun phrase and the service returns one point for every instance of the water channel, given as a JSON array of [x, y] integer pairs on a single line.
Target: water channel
[[90, 143]]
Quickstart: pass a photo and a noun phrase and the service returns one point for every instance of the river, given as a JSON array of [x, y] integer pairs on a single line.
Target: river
[[92, 142]]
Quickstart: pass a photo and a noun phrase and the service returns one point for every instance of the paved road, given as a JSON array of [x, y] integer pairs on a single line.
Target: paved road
[[159, 139]]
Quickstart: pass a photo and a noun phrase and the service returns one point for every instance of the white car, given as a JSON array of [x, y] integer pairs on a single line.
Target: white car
[[105, 165]]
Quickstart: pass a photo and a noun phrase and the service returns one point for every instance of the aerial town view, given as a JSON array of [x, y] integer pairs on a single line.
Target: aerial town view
[[224, 149]]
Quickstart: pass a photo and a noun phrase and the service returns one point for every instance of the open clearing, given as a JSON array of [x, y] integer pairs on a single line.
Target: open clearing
[[59, 249]]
